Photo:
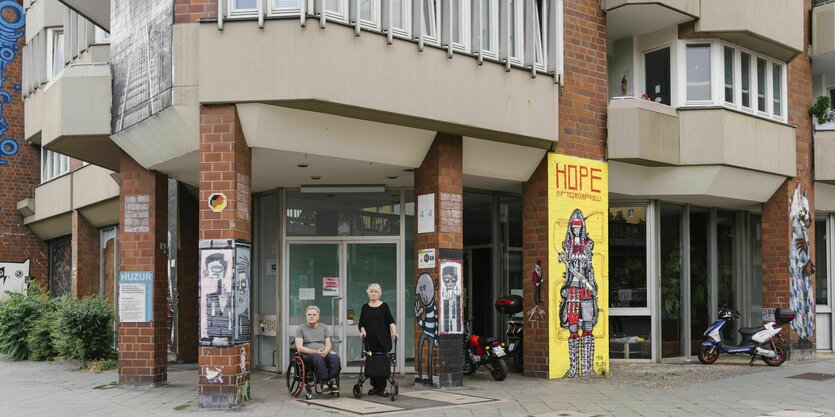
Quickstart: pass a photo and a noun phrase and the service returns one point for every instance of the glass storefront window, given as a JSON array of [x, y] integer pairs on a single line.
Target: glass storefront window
[[309, 263], [725, 228], [628, 256], [699, 276], [630, 337], [672, 321], [337, 214], [266, 278], [821, 272]]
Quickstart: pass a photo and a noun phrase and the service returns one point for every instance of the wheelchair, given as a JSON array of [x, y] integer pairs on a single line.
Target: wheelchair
[[301, 377]]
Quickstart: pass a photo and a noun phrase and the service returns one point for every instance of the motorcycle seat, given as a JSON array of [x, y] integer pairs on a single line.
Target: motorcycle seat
[[750, 330], [487, 341]]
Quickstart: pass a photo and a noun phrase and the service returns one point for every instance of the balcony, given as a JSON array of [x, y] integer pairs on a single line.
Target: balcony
[[96, 11], [77, 128], [627, 18], [651, 134], [825, 156], [90, 189], [771, 27], [362, 71], [823, 38]]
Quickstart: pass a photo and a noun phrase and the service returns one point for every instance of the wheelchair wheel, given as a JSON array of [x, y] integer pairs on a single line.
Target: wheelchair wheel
[[308, 395], [357, 391], [394, 391], [295, 376]]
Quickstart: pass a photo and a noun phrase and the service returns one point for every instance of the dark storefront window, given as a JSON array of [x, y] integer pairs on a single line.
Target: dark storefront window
[[628, 256], [821, 270], [60, 266], [338, 214], [630, 337]]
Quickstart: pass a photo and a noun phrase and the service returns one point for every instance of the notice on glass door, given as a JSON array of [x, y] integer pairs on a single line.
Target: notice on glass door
[[330, 286]]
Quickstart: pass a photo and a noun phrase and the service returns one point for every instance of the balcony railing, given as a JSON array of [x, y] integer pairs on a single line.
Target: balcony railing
[[524, 34]]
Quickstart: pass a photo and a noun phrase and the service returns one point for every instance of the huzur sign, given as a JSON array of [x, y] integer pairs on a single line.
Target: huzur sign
[[578, 207]]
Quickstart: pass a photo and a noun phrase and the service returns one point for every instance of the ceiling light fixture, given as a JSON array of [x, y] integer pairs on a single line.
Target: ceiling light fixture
[[335, 189]]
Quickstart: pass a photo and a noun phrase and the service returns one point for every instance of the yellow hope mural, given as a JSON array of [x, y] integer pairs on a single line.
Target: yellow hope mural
[[578, 207]]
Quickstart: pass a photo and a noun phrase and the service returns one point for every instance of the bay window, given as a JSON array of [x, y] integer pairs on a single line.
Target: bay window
[[745, 69], [777, 89], [761, 83], [729, 74]]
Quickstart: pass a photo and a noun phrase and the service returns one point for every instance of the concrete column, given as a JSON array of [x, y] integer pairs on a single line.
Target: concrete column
[[143, 211], [225, 227], [440, 174]]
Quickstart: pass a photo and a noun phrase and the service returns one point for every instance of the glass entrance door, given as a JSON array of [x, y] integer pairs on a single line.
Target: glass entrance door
[[366, 263], [334, 276]]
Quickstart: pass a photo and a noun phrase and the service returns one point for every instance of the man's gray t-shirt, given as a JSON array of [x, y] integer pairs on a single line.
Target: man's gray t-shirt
[[313, 337]]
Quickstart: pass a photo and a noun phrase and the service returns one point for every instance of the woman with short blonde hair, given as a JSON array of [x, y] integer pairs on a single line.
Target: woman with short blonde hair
[[376, 325]]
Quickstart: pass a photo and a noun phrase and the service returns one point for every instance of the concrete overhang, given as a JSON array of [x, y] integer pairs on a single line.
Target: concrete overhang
[[96, 11], [89, 189], [627, 18], [824, 141], [824, 197], [712, 186], [333, 71], [771, 27], [79, 128]]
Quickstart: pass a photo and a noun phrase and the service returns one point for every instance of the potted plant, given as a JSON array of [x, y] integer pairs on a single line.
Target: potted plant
[[821, 109]]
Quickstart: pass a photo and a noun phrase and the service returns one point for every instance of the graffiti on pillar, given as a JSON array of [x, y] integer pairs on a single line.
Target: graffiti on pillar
[[13, 277], [801, 267], [60, 266], [578, 236], [537, 314], [213, 375], [242, 286], [578, 304], [224, 292], [538, 279], [12, 22], [451, 309], [217, 294], [427, 317]]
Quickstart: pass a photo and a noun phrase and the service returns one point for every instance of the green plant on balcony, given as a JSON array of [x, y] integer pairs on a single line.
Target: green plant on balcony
[[821, 109]]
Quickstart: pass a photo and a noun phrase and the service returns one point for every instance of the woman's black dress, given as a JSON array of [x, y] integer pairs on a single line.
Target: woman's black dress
[[376, 321]]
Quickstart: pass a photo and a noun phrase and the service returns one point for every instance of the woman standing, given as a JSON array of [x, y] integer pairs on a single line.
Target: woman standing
[[377, 325]]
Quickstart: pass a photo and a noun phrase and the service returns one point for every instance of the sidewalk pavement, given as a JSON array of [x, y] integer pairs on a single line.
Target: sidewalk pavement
[[728, 388]]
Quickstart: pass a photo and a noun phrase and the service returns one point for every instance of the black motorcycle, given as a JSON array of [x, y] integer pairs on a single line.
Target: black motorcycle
[[510, 305]]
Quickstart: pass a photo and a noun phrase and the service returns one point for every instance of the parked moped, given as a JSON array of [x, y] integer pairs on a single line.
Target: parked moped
[[484, 351], [763, 341]]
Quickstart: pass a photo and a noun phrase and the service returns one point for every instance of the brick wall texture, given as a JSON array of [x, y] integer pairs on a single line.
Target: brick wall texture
[[583, 99], [776, 225], [441, 173], [225, 167], [143, 347], [188, 11], [535, 248], [85, 257], [19, 176]]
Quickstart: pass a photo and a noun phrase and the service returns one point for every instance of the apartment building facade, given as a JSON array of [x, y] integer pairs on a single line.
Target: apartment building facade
[[286, 153]]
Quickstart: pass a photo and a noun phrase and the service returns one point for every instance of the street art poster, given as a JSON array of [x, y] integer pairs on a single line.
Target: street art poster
[[60, 266], [578, 207], [243, 274], [12, 24], [225, 273], [140, 50], [451, 306], [426, 315], [13, 277], [801, 269], [136, 295]]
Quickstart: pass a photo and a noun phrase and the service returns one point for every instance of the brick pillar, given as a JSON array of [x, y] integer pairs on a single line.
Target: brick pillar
[[187, 276], [85, 257], [225, 167], [535, 248], [779, 243], [19, 169], [441, 174], [143, 211]]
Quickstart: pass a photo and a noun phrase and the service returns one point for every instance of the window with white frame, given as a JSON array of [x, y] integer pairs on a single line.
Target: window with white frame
[[400, 12], [53, 165], [517, 28], [698, 72], [54, 52], [242, 7], [460, 25], [284, 7], [430, 21], [490, 28], [538, 16], [102, 36], [750, 82]]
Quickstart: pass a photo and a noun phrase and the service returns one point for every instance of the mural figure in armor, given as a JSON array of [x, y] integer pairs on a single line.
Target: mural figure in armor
[[578, 304], [426, 313]]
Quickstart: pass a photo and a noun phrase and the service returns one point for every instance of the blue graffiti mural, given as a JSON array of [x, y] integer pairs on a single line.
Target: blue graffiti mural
[[10, 32]]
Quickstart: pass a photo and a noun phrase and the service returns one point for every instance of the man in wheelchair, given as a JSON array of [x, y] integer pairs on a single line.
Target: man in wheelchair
[[313, 342]]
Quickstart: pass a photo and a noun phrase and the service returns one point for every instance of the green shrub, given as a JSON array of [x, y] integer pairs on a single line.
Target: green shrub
[[18, 314], [83, 329], [819, 108], [40, 340]]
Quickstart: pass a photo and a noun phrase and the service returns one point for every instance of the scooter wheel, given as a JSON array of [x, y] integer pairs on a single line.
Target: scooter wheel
[[778, 360], [357, 391], [708, 354]]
